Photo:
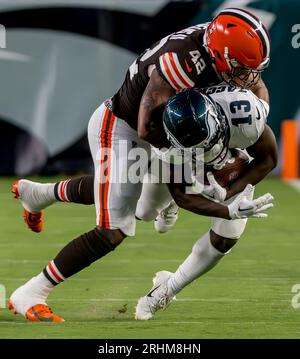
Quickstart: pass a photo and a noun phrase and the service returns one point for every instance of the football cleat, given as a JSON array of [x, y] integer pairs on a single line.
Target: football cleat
[[38, 313], [167, 218], [27, 192], [34, 221], [158, 298]]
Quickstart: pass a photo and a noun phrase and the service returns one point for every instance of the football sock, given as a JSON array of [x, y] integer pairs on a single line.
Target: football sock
[[76, 190], [33, 292], [36, 196], [204, 257], [77, 255]]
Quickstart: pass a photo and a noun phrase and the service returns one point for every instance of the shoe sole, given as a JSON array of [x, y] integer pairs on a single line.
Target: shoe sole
[[15, 189], [40, 319], [26, 214], [11, 307]]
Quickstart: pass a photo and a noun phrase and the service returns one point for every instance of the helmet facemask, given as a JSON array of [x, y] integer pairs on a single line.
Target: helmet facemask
[[242, 76]]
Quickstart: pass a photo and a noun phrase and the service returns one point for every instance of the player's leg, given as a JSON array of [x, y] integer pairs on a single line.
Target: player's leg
[[35, 196], [115, 208], [206, 253], [167, 217], [156, 202], [154, 198], [30, 299]]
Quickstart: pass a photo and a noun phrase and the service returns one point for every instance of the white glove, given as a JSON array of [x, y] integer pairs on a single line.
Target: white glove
[[214, 191], [242, 207]]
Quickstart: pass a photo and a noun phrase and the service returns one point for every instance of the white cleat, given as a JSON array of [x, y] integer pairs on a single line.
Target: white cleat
[[159, 297], [167, 218], [34, 196]]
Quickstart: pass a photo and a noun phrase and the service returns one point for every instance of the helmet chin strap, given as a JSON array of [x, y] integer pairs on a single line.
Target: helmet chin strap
[[227, 59]]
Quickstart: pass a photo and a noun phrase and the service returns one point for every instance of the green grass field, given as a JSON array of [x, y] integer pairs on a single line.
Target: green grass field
[[248, 295]]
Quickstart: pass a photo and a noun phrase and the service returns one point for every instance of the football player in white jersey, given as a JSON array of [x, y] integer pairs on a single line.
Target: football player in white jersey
[[234, 47], [246, 115], [242, 124]]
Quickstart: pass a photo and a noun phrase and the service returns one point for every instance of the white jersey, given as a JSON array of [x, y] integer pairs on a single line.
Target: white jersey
[[246, 113]]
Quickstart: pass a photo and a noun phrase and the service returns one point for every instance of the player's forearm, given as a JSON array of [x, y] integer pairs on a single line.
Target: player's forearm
[[198, 204], [255, 172], [145, 129], [155, 96], [265, 154]]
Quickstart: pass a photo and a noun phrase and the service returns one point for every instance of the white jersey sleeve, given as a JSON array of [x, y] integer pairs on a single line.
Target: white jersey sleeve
[[245, 113]]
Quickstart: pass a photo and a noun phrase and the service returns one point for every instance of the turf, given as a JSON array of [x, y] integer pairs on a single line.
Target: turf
[[248, 295]]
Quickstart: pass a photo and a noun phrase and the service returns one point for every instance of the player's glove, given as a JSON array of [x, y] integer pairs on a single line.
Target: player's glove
[[214, 191], [242, 207]]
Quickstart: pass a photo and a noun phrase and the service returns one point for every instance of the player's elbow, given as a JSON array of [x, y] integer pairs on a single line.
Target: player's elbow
[[268, 163], [272, 160]]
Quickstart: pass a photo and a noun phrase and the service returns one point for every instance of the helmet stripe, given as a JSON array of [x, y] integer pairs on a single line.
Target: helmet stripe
[[257, 25]]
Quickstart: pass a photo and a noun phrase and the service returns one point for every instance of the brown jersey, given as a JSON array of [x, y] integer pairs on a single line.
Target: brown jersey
[[180, 59]]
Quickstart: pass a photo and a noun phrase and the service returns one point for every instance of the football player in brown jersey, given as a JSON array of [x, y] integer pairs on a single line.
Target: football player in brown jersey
[[234, 47]]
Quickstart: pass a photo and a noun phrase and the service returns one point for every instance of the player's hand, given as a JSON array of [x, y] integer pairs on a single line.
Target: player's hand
[[214, 191], [242, 207]]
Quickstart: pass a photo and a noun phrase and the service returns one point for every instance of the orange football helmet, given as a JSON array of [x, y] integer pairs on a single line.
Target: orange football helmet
[[239, 46]]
